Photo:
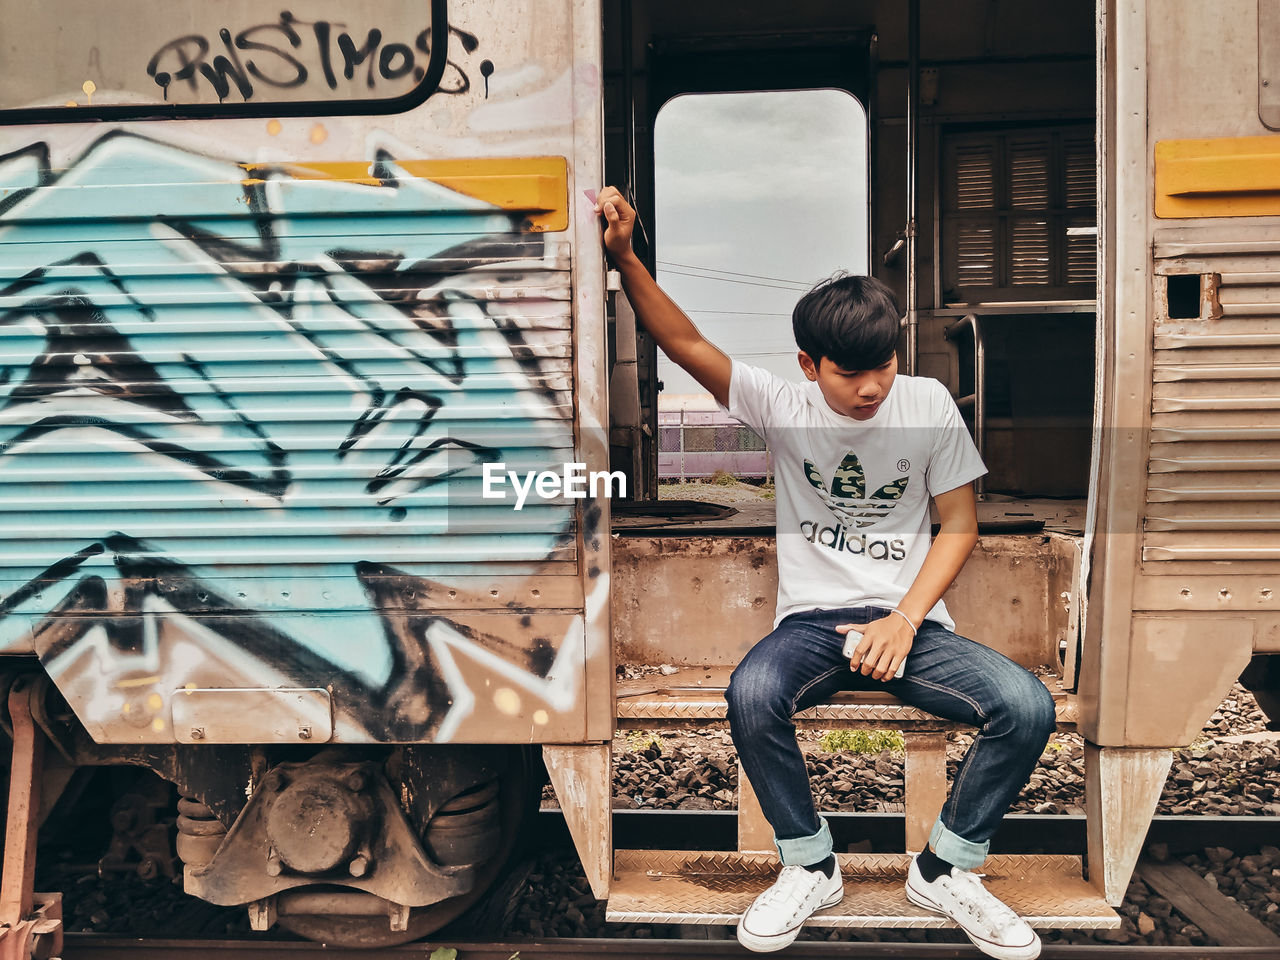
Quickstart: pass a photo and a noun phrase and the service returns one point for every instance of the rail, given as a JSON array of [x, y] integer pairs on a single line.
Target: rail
[[87, 947]]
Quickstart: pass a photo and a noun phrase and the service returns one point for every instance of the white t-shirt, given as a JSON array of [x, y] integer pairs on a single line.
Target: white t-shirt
[[853, 495]]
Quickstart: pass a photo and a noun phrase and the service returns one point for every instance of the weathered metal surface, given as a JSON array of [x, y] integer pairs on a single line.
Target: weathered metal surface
[[671, 886], [582, 775], [140, 833], [275, 715], [267, 849], [17, 882], [1214, 491], [40, 935], [1186, 483], [1183, 667], [255, 367], [754, 833], [695, 696], [707, 600], [26, 916], [1219, 177], [317, 821], [1268, 75], [200, 833], [924, 784], [1122, 787]]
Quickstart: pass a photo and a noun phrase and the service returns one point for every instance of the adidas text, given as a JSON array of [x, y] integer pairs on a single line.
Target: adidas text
[[839, 537], [571, 482]]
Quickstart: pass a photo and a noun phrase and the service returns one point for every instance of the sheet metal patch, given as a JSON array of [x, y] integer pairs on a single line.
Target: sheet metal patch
[[262, 715]]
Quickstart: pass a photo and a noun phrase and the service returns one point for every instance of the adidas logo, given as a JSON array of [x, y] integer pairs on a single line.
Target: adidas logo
[[847, 497], [839, 537]]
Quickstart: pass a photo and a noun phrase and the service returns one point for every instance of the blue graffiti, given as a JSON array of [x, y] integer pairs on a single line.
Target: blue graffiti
[[258, 400]]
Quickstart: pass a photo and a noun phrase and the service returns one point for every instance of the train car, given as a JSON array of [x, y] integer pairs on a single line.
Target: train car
[[277, 287], [315, 398], [696, 441], [1075, 205]]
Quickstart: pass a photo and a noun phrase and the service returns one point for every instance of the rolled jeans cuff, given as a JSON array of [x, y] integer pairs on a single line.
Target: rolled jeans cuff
[[805, 851], [955, 849]]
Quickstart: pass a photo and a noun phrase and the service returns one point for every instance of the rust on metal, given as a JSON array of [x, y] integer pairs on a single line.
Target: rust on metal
[[694, 696], [26, 766], [26, 914], [672, 886], [304, 825]]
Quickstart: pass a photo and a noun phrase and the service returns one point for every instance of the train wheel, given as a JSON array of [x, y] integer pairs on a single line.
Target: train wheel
[[514, 794]]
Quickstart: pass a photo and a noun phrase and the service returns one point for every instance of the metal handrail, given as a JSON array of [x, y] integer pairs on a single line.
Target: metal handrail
[[977, 399]]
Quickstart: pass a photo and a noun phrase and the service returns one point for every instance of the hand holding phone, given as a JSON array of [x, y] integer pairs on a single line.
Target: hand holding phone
[[885, 644]]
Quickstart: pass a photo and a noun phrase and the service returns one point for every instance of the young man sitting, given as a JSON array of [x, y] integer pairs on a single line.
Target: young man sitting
[[859, 452]]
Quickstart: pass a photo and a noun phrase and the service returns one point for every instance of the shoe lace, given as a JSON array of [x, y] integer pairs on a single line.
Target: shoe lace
[[980, 903], [794, 885]]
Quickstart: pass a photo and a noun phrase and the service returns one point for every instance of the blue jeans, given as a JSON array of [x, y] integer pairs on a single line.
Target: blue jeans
[[801, 664]]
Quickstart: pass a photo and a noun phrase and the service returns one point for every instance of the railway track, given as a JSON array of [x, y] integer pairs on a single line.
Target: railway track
[[702, 829], [90, 947]]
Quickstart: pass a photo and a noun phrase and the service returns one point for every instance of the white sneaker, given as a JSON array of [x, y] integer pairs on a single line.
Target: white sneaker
[[994, 929], [774, 920]]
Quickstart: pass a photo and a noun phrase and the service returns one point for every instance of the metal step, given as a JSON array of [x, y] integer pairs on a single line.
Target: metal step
[[694, 696], [682, 886]]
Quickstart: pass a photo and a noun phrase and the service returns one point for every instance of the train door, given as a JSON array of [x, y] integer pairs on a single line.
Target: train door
[[983, 209]]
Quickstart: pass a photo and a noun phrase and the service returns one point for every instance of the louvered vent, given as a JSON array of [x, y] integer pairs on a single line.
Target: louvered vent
[[1008, 201], [1080, 190], [976, 255], [1029, 175], [1079, 175], [1214, 489], [976, 177], [1082, 251], [1029, 253]]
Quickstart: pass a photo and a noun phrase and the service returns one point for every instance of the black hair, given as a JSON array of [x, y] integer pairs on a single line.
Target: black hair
[[852, 321]]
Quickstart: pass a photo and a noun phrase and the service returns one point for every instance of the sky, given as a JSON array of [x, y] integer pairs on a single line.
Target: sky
[[759, 196]]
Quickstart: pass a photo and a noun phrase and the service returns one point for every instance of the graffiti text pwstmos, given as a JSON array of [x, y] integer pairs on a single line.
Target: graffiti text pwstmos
[[286, 55]]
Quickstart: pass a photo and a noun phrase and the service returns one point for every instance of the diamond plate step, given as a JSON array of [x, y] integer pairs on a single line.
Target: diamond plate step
[[694, 696], [680, 886]]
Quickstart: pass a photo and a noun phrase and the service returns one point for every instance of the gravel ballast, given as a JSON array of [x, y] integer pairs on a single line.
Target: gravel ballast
[[1232, 770]]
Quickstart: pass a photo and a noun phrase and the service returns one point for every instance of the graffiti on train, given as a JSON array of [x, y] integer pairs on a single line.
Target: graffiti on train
[[290, 53], [242, 419]]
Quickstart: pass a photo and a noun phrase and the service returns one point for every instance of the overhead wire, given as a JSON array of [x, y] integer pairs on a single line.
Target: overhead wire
[[755, 276], [753, 283]]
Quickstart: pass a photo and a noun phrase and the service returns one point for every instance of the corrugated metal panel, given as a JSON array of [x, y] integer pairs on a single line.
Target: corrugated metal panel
[[236, 372], [1214, 487]]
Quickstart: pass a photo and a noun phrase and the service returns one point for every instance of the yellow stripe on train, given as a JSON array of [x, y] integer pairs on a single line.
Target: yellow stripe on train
[[1222, 177], [538, 186]]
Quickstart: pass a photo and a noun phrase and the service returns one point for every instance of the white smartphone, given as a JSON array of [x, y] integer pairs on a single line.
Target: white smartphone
[[851, 642]]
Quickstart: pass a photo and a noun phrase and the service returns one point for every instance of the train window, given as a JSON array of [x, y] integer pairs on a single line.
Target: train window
[[758, 196], [70, 61], [1016, 208]]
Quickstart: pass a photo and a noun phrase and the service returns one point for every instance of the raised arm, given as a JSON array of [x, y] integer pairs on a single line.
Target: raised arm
[[658, 313]]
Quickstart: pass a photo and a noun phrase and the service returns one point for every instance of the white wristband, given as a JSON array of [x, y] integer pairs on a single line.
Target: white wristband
[[906, 618]]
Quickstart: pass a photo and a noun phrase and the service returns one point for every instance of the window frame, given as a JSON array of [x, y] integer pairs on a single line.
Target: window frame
[[1002, 214]]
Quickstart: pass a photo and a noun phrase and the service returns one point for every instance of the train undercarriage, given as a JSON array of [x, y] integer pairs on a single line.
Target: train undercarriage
[[349, 846]]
